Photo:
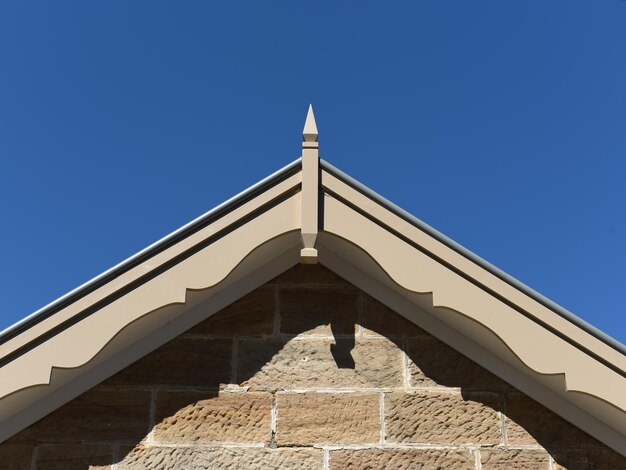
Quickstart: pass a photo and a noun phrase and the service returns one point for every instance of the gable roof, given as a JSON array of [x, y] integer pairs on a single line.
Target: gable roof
[[311, 212]]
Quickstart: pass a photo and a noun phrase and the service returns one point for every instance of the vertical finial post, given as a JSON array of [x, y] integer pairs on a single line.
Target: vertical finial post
[[310, 189]]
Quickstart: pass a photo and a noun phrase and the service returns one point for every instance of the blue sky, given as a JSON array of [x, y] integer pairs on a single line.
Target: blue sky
[[501, 124]]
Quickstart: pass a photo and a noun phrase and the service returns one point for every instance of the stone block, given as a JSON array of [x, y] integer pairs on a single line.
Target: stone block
[[218, 458], [442, 418], [588, 459], [183, 361], [320, 310], [529, 423], [74, 457], [519, 459], [272, 364], [203, 417], [96, 415], [305, 419], [378, 319], [309, 274], [252, 315], [434, 363], [16, 457], [405, 459]]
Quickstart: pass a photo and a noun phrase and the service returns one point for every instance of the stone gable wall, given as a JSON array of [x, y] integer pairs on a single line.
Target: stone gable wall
[[306, 372]]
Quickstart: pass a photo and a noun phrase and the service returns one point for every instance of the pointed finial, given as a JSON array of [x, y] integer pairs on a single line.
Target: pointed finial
[[309, 134], [310, 190]]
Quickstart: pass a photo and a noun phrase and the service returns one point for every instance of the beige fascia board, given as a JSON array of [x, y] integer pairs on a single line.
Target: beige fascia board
[[426, 273], [151, 265], [584, 381], [147, 333], [203, 269], [354, 265], [472, 270]]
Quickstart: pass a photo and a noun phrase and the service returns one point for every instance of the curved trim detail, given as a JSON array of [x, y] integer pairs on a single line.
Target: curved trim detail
[[152, 250], [610, 341], [212, 236], [205, 270], [537, 347], [421, 271], [483, 287]]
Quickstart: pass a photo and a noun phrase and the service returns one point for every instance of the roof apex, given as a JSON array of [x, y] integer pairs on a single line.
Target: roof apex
[[311, 212]]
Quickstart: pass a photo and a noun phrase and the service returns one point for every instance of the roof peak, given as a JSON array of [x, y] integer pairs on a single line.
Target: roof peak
[[310, 190]]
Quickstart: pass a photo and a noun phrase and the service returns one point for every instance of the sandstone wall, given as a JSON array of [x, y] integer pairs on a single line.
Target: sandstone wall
[[306, 372]]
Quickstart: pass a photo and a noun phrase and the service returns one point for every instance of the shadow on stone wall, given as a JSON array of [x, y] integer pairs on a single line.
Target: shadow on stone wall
[[105, 424]]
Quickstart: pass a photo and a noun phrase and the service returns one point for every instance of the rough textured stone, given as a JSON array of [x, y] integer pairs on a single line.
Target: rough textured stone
[[405, 459], [215, 458], [225, 417], [252, 315], [323, 310], [378, 319], [16, 457], [309, 274], [95, 415], [442, 418], [198, 429], [275, 364], [322, 418], [189, 361], [74, 457], [529, 423], [588, 459], [433, 363], [504, 459]]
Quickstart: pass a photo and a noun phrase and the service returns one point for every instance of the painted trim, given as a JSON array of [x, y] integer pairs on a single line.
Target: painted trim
[[537, 347], [89, 334], [485, 288], [602, 336], [118, 286], [266, 223], [150, 251], [443, 254], [128, 346], [354, 265]]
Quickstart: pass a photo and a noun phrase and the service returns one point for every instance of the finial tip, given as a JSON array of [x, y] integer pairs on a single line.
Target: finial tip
[[309, 133]]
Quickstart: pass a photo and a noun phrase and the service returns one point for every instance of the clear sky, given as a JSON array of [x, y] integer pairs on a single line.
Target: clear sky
[[501, 124]]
